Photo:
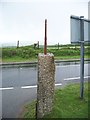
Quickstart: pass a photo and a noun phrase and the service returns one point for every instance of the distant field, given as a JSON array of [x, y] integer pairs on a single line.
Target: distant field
[[28, 53]]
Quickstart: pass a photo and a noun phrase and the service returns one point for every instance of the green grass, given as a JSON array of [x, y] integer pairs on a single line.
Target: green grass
[[67, 103], [70, 57], [18, 59], [28, 53]]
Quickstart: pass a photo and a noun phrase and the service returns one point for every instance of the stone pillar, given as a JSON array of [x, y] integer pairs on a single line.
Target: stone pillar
[[45, 85]]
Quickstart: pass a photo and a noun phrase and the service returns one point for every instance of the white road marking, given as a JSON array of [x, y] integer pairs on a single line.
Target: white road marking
[[34, 86], [26, 87], [75, 78], [8, 88], [58, 84]]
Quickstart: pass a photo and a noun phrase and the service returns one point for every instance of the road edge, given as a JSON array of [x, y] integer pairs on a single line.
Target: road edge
[[35, 62]]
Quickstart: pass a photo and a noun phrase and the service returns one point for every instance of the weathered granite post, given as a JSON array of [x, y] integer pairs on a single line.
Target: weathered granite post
[[46, 83]]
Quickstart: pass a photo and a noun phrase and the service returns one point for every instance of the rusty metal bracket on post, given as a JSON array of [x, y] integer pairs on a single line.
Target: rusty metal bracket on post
[[45, 39]]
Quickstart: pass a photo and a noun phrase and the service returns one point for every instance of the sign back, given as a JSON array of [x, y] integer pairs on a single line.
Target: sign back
[[75, 29]]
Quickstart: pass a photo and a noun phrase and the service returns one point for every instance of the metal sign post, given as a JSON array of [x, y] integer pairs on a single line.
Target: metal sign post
[[80, 33], [82, 56]]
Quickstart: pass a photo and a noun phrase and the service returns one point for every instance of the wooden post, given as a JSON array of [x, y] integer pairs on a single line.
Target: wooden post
[[18, 44]]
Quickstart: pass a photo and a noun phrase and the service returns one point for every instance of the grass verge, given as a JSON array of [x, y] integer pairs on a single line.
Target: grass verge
[[28, 53], [70, 57], [67, 103], [20, 59]]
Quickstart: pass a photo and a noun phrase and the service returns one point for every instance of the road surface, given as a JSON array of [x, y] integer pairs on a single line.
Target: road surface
[[19, 85]]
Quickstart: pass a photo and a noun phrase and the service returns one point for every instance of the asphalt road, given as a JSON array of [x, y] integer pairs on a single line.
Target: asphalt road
[[19, 85]]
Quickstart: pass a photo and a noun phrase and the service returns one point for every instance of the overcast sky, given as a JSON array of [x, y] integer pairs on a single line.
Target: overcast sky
[[23, 20]]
